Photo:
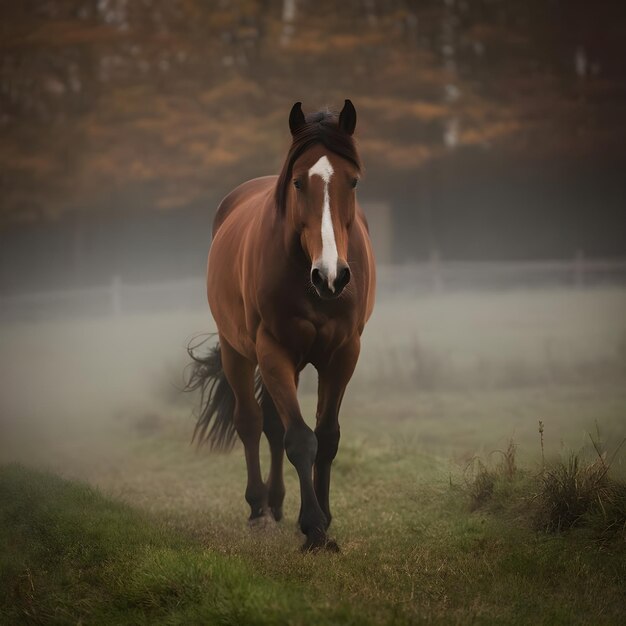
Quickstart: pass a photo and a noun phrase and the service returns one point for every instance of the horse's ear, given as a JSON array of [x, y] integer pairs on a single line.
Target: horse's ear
[[347, 118], [296, 118]]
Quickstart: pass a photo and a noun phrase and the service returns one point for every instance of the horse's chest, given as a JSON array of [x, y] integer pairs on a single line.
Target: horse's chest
[[322, 338], [325, 336], [311, 335]]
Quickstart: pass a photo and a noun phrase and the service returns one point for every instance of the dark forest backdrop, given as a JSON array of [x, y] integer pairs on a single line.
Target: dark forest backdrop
[[490, 129]]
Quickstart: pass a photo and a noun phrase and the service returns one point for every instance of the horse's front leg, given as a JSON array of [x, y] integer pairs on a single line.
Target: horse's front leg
[[278, 372], [333, 379]]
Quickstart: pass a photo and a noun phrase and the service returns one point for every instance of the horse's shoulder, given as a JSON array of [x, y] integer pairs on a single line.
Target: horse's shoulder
[[240, 194]]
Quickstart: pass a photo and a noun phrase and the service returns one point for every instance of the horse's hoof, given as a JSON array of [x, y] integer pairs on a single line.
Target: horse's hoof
[[317, 543], [332, 546], [261, 522], [277, 513], [311, 546]]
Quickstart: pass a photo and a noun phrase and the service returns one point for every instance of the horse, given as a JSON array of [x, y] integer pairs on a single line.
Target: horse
[[290, 281]]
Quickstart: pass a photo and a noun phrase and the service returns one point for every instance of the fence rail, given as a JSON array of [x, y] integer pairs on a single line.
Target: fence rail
[[436, 275], [188, 294]]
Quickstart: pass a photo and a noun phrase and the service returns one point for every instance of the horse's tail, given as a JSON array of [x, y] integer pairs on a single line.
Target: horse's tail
[[215, 424]]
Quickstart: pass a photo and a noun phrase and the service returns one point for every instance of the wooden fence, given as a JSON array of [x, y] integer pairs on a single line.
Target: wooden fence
[[119, 297]]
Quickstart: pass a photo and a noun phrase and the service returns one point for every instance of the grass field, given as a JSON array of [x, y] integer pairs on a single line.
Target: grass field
[[443, 380]]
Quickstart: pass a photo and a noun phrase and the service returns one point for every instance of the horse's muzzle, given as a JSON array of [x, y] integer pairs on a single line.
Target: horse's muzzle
[[324, 286]]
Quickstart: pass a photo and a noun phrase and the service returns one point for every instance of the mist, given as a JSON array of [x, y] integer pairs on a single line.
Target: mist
[[493, 188]]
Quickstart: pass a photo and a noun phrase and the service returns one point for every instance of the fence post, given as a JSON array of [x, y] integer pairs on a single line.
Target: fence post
[[116, 296]]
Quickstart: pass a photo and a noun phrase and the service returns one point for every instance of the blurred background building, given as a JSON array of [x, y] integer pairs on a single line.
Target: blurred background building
[[491, 130]]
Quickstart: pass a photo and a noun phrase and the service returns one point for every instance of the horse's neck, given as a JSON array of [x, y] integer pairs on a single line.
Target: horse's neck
[[282, 241], [279, 243]]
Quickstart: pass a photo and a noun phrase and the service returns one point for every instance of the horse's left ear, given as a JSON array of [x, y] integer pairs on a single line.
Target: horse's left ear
[[347, 118], [296, 118]]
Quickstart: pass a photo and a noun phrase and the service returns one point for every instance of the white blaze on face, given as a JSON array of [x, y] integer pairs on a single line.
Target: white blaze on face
[[324, 170]]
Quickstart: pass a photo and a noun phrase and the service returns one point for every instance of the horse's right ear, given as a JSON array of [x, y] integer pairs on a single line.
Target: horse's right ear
[[296, 118], [347, 118]]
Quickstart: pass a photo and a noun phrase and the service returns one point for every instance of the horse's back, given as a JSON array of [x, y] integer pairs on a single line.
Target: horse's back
[[240, 195]]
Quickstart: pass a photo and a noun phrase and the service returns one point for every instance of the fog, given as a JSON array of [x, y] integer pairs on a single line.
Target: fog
[[80, 392], [493, 140]]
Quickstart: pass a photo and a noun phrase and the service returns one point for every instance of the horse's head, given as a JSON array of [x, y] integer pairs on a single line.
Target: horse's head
[[316, 192]]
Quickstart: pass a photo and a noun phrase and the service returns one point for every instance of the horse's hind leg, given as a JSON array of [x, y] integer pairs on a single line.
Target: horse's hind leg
[[248, 421], [275, 433]]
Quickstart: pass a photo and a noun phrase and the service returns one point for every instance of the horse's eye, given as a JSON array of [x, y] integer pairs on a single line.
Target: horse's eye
[[297, 184], [355, 182]]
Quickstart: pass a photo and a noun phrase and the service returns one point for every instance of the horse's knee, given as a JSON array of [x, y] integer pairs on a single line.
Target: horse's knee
[[300, 446], [327, 441]]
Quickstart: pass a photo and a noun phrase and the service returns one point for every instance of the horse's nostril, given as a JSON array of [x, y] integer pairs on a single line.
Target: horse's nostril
[[316, 277], [343, 278]]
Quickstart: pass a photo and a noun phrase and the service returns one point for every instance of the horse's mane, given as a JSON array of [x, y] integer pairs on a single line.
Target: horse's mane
[[320, 128]]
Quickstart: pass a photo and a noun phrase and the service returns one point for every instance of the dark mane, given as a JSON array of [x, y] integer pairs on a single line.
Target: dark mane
[[320, 128]]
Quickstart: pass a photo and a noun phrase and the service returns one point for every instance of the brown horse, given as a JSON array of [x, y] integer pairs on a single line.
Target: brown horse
[[290, 281]]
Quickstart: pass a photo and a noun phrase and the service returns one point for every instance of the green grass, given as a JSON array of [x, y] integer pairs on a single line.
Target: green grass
[[413, 552], [71, 556]]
